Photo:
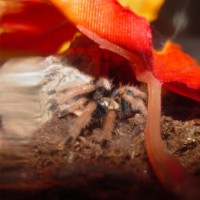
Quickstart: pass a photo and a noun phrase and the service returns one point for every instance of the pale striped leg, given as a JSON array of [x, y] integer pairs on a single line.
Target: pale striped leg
[[67, 86], [136, 103], [135, 92], [75, 92], [108, 127], [73, 107], [80, 123]]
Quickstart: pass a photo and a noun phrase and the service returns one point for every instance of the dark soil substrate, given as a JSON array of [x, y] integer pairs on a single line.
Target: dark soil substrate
[[86, 171]]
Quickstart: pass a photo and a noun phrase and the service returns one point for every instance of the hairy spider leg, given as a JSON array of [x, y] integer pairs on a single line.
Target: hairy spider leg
[[84, 89], [108, 127], [72, 108], [64, 87], [79, 124], [136, 103], [134, 92], [69, 94], [105, 83], [68, 86]]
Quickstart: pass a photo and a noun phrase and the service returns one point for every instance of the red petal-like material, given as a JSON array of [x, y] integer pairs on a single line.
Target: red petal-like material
[[177, 71], [33, 27], [110, 21]]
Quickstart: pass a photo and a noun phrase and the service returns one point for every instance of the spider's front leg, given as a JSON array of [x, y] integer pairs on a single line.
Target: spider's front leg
[[108, 127], [73, 107], [80, 123], [111, 107], [65, 94], [80, 90]]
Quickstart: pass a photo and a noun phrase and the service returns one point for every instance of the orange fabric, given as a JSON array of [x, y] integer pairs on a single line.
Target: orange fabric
[[112, 22], [177, 71]]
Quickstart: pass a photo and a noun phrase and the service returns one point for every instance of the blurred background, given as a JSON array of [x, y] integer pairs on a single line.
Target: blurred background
[[179, 21]]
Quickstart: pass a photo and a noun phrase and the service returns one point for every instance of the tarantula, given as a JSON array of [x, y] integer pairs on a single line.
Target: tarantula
[[98, 97]]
